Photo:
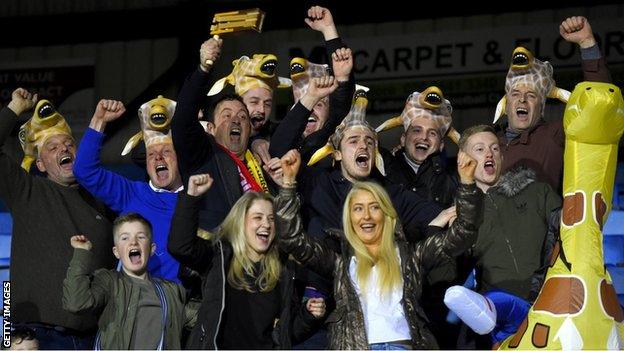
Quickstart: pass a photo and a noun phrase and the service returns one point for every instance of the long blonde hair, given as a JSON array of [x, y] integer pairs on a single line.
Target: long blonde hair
[[387, 260], [241, 266]]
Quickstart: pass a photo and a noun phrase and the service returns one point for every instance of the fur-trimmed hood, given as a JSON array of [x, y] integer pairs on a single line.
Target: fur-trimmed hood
[[515, 180]]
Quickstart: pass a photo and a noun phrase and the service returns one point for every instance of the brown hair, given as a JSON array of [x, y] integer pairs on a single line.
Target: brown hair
[[131, 217], [480, 128]]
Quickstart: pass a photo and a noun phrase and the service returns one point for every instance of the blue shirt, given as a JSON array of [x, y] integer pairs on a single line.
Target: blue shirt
[[124, 196]]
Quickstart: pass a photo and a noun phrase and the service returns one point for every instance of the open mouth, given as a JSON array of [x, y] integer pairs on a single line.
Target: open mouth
[[263, 236], [268, 67], [135, 256], [361, 160], [296, 68], [162, 172], [489, 167], [520, 59], [368, 227], [158, 118], [422, 147], [257, 121], [46, 110], [235, 134], [66, 162], [522, 112]]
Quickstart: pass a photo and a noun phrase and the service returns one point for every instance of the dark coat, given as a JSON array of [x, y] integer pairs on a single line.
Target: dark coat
[[431, 182], [514, 241], [346, 324], [324, 193]]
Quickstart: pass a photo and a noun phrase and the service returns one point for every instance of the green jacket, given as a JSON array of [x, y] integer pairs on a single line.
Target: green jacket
[[513, 243], [112, 294]]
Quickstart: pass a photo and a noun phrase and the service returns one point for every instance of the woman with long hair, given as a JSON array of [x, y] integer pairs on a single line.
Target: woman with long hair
[[248, 297], [377, 274]]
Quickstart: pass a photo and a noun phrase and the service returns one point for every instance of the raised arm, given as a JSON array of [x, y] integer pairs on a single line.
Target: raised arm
[[288, 134], [14, 180], [463, 230], [577, 30], [321, 19], [184, 244], [83, 291], [189, 138], [289, 227], [113, 189]]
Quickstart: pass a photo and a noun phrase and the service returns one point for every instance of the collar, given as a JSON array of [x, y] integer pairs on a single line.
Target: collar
[[413, 165], [523, 136], [161, 190]]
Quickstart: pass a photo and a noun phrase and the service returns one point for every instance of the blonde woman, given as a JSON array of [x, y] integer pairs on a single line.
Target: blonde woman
[[377, 274], [249, 300]]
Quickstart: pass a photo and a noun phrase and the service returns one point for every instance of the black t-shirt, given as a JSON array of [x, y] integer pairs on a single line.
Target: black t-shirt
[[249, 318]]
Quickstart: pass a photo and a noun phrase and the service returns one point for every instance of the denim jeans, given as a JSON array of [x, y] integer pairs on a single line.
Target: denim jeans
[[388, 346], [52, 339]]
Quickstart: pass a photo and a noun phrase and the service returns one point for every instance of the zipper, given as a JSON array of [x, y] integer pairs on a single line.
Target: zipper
[[512, 255], [222, 295], [506, 239]]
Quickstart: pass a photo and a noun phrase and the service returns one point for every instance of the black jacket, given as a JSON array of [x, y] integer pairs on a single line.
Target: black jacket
[[212, 259], [431, 182], [325, 191], [346, 324]]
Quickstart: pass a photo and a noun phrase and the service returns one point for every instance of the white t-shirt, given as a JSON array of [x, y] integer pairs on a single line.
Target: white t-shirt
[[384, 317]]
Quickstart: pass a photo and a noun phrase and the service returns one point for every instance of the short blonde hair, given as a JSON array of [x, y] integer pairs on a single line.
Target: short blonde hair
[[480, 128]]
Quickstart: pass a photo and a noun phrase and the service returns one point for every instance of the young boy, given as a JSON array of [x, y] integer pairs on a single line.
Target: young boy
[[137, 311]]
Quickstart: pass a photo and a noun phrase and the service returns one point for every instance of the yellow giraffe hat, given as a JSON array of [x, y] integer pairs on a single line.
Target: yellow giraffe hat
[[301, 70], [356, 118], [430, 104], [525, 69], [45, 122], [155, 117], [250, 73]]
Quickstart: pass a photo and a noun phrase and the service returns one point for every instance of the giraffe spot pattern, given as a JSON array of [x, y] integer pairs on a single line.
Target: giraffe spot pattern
[[573, 210], [600, 208], [610, 302], [540, 335], [561, 295]]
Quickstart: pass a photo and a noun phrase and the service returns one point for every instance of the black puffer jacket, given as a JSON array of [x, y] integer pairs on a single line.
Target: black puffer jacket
[[212, 259], [346, 324]]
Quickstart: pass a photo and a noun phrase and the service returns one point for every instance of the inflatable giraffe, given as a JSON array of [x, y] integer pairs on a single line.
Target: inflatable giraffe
[[577, 307]]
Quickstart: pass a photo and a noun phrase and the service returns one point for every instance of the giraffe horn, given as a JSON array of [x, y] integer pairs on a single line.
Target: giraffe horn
[[454, 135], [132, 142], [389, 124], [321, 154], [379, 163], [284, 82], [560, 94], [217, 86], [500, 109], [27, 163]]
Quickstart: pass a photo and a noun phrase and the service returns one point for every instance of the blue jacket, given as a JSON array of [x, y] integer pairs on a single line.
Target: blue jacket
[[123, 196]]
